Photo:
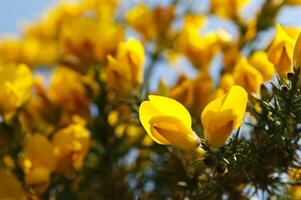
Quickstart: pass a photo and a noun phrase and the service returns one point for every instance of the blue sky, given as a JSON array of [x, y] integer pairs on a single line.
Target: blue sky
[[14, 12]]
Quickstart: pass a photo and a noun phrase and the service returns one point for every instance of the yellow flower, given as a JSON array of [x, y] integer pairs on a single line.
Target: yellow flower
[[247, 76], [10, 187], [29, 51], [295, 190], [227, 8], [15, 87], [280, 52], [145, 21], [67, 90], [38, 164], [183, 91], [297, 52], [141, 18], [224, 114], [260, 61], [124, 72], [200, 49], [168, 122], [71, 145], [90, 39], [104, 8], [194, 93]]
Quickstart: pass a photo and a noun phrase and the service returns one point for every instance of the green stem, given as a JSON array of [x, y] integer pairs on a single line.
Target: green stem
[[148, 74]]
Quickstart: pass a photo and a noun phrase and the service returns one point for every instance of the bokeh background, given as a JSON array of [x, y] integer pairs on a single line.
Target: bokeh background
[[15, 14]]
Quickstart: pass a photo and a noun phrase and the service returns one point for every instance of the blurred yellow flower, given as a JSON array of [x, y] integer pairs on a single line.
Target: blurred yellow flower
[[68, 90], [124, 72], [227, 8], [295, 190], [200, 49], [103, 8], [15, 86], [280, 52], [183, 91], [168, 122], [38, 163], [247, 76], [196, 93], [145, 21], [260, 61], [297, 52], [71, 145], [10, 187], [224, 114], [90, 39], [29, 51], [141, 18]]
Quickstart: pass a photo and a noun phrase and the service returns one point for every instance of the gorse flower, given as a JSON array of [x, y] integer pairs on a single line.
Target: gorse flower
[[281, 51], [71, 145], [124, 71], [15, 87], [224, 114], [247, 76], [227, 8], [38, 164], [168, 122]]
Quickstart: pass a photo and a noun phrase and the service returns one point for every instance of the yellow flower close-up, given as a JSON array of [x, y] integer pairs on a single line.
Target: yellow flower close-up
[[15, 86], [168, 122], [224, 114]]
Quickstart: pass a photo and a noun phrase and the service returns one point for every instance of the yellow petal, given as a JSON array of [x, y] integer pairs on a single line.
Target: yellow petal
[[236, 100], [146, 112], [219, 136], [174, 131], [171, 107], [297, 52], [224, 114]]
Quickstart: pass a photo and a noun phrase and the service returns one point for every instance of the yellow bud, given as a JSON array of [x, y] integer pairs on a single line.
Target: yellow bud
[[168, 122], [297, 52], [224, 114]]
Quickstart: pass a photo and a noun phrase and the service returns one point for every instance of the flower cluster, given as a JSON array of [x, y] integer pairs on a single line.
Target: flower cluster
[[89, 90]]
